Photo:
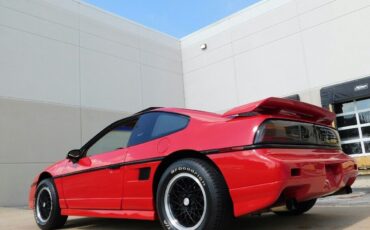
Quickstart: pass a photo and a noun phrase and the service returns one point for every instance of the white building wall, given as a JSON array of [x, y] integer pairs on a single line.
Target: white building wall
[[67, 70], [277, 48], [65, 46]]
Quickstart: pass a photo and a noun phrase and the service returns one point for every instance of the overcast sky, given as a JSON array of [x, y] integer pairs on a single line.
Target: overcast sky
[[175, 17]]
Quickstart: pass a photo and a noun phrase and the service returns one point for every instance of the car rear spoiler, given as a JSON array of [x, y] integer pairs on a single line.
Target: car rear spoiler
[[280, 106]]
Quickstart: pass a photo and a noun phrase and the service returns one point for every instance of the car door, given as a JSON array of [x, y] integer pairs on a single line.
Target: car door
[[96, 180]]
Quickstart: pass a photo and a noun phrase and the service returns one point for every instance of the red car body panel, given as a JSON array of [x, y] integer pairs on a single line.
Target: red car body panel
[[279, 106], [109, 185], [94, 189], [265, 173]]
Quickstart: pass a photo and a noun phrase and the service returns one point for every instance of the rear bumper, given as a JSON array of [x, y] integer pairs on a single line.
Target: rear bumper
[[308, 180], [258, 178]]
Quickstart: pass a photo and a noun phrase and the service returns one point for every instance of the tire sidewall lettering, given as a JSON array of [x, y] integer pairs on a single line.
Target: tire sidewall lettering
[[181, 169], [167, 226]]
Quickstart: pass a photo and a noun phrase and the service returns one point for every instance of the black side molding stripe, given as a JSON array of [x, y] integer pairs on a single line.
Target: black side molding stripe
[[112, 166], [263, 146]]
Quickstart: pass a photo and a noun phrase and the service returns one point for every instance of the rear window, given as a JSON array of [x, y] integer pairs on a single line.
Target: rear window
[[292, 132]]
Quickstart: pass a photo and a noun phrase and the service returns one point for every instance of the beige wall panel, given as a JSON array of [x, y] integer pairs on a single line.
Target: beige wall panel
[[109, 82], [208, 57], [338, 50], [159, 44], [37, 132], [16, 181], [108, 26], [212, 88], [264, 37], [263, 16], [331, 11], [162, 88], [63, 12], [276, 69], [93, 121], [35, 25], [38, 68], [117, 49]]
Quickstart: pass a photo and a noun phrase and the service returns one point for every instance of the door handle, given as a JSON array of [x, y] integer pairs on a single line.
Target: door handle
[[113, 167]]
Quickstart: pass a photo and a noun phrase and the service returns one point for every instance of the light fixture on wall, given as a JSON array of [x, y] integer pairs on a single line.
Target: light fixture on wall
[[203, 46]]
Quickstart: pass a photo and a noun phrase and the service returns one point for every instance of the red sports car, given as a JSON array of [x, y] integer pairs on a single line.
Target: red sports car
[[198, 170]]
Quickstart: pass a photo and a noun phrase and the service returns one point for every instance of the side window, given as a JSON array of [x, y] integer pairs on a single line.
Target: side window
[[156, 124], [168, 123], [116, 138]]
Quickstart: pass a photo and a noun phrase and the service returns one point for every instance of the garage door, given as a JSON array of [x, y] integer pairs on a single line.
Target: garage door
[[353, 122]]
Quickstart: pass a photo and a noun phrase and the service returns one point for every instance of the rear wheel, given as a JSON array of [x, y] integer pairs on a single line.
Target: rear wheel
[[47, 210], [296, 209], [192, 195]]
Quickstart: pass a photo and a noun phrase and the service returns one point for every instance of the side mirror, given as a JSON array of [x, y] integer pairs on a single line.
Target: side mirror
[[74, 155]]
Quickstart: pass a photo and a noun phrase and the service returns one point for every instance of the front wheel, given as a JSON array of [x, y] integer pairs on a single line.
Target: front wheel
[[296, 209], [193, 195], [47, 210]]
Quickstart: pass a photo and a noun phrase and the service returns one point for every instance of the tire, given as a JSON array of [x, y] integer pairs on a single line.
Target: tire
[[297, 209], [192, 195], [47, 210]]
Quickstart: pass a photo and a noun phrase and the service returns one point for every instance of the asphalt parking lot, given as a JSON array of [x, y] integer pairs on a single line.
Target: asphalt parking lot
[[350, 211]]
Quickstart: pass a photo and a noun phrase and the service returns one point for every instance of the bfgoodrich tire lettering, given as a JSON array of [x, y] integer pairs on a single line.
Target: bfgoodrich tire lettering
[[47, 210], [192, 195]]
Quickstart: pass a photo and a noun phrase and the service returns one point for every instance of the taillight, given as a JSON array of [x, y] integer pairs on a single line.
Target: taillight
[[292, 132]]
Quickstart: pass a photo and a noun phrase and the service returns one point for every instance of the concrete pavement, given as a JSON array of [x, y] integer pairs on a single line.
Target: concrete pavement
[[317, 218]]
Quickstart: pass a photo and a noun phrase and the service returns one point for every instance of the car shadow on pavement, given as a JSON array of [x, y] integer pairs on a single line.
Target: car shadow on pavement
[[311, 220], [318, 218], [101, 223]]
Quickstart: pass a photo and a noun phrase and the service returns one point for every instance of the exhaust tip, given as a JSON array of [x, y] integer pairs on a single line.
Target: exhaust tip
[[348, 189], [290, 204]]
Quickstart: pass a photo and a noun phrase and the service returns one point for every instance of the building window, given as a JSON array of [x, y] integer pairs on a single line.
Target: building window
[[353, 123]]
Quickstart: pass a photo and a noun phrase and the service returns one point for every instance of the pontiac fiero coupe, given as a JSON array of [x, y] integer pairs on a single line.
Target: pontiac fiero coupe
[[198, 170]]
